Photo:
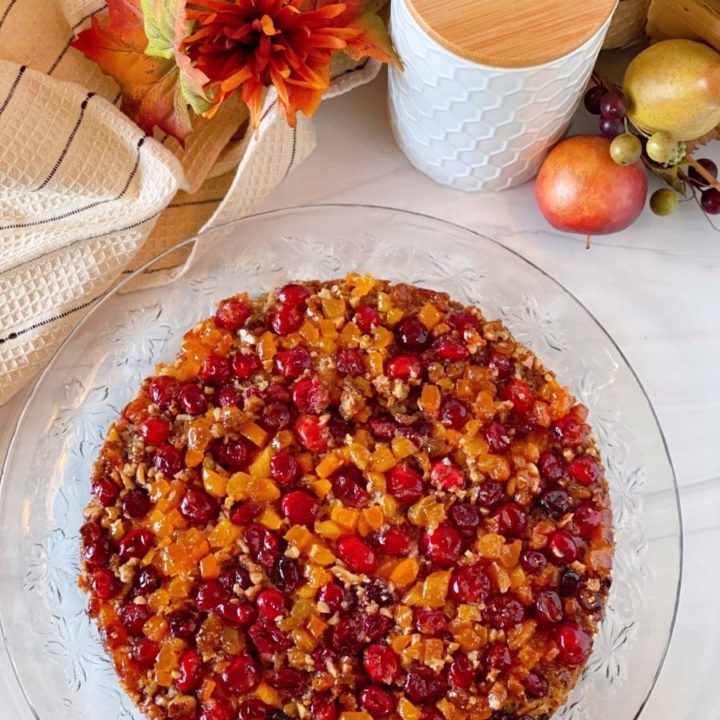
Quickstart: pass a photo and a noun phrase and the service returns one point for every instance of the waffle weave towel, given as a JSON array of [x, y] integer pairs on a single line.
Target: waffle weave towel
[[86, 197]]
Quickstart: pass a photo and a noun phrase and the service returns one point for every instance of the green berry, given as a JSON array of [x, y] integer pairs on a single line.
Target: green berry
[[662, 148], [664, 202], [625, 149]]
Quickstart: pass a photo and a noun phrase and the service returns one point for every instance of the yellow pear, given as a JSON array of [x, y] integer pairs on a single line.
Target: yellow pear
[[674, 86]]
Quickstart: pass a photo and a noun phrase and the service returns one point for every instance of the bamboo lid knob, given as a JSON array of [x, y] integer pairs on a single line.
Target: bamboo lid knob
[[511, 33]]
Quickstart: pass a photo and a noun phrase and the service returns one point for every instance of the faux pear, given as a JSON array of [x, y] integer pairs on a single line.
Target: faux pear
[[674, 86]]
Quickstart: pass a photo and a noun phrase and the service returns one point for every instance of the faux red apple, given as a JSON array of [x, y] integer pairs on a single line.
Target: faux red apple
[[581, 189]]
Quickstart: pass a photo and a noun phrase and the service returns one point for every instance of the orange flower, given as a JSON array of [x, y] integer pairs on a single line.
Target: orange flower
[[247, 45]]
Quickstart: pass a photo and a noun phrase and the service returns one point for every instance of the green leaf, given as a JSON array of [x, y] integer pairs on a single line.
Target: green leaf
[[164, 21]]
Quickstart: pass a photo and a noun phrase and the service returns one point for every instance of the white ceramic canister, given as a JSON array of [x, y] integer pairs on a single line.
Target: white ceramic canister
[[488, 125]]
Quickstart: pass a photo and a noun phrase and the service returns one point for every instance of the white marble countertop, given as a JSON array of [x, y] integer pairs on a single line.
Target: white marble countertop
[[654, 287]]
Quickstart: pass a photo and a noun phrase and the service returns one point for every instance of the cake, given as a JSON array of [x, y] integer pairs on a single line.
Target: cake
[[349, 500]]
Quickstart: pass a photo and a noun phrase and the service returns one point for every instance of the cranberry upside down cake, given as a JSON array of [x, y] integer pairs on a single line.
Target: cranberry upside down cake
[[349, 500]]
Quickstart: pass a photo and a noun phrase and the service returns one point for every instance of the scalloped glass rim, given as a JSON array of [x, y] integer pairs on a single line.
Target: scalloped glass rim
[[524, 315]]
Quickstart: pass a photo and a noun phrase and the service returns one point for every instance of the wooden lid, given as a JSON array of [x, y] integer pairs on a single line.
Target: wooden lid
[[511, 33]]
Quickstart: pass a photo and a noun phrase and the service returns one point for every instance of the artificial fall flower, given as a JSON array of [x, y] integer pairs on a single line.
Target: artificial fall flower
[[248, 45]]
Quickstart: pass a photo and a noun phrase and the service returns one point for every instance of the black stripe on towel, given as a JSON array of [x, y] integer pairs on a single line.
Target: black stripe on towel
[[92, 205], [3, 17], [59, 58], [83, 106], [13, 88]]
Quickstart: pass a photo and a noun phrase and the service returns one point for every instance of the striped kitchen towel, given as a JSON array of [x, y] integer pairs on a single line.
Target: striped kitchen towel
[[86, 196]]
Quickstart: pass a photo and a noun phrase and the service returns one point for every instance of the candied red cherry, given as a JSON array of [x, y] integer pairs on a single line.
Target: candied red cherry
[[377, 702], [490, 493], [262, 543], [233, 575], [145, 651], [245, 512], [284, 468], [229, 396], [242, 614], [569, 431], [349, 362], [356, 554], [454, 413], [287, 319], [382, 428], [574, 643], [268, 638], [463, 321], [332, 595], [393, 540], [154, 431], [548, 607], [147, 580], [588, 520], [349, 487], [412, 334], [198, 507], [552, 467], [511, 519], [233, 454], [134, 616], [291, 364], [554, 503], [451, 348], [446, 475], [106, 490], [366, 318], [311, 433], [533, 561], [585, 470], [377, 626], [503, 611], [288, 680], [252, 709], [470, 584], [164, 390], [405, 485], [382, 663], [192, 399], [168, 460], [536, 685], [232, 313], [190, 671], [443, 545], [497, 437], [209, 595], [430, 623], [497, 657], [136, 503], [136, 543], [519, 394], [96, 552], [404, 367], [104, 584], [562, 547], [293, 294], [462, 672], [322, 707], [241, 675], [217, 710], [286, 574], [215, 370], [277, 416], [424, 685], [246, 364], [299, 507], [183, 624], [310, 396], [464, 517], [502, 364]]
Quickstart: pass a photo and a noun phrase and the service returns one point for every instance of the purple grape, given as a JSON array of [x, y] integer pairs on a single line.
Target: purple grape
[[593, 98], [710, 201], [613, 106], [611, 128], [697, 179]]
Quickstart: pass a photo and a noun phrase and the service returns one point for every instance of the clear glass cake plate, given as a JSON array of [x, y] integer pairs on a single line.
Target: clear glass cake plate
[[60, 665]]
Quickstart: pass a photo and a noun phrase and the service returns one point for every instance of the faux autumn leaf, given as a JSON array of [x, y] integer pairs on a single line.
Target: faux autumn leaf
[[152, 86], [247, 45]]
